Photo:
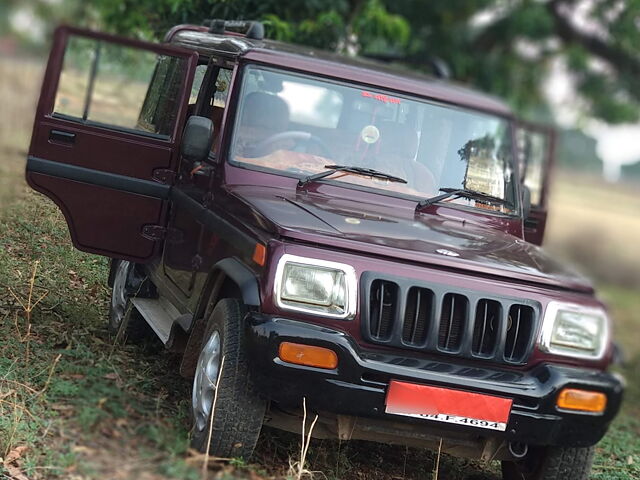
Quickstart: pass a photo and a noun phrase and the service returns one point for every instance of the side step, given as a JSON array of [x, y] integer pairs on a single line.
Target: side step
[[159, 313]]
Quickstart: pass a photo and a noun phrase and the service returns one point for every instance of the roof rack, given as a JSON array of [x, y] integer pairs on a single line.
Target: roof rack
[[247, 28]]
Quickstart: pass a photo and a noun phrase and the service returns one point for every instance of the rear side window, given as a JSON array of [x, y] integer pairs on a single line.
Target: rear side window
[[119, 86], [197, 83], [534, 148]]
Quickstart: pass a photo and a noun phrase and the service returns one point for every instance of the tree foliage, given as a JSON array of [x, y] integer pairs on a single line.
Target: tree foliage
[[502, 46]]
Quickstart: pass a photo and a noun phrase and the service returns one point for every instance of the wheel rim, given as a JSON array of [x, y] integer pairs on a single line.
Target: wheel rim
[[119, 294], [205, 380]]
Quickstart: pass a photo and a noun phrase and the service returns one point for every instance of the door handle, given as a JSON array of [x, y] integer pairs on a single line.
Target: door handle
[[61, 136]]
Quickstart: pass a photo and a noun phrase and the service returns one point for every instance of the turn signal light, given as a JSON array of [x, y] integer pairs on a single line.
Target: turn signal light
[[308, 355], [260, 254], [582, 400]]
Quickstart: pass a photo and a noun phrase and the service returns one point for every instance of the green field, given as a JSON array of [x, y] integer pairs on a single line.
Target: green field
[[76, 405]]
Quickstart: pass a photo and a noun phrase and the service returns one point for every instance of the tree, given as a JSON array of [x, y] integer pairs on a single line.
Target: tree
[[502, 46], [509, 49]]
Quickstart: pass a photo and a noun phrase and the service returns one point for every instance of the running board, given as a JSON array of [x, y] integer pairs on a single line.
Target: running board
[[159, 314]]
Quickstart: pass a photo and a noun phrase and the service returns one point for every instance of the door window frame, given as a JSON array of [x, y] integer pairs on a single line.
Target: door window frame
[[45, 109]]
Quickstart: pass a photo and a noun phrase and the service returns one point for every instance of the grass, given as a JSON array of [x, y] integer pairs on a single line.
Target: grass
[[75, 405], [71, 397], [618, 454]]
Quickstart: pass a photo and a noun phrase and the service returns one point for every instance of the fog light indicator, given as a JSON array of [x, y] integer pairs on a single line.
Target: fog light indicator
[[582, 400], [308, 355]]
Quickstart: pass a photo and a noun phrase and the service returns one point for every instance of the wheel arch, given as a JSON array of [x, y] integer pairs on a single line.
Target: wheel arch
[[229, 278]]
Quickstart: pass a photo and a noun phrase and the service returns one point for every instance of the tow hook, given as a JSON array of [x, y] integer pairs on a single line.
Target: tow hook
[[518, 450]]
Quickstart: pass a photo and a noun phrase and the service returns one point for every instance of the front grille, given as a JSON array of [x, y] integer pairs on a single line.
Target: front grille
[[436, 319]]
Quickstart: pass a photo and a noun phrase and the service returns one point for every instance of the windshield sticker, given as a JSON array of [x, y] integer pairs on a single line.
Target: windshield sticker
[[380, 97], [370, 134]]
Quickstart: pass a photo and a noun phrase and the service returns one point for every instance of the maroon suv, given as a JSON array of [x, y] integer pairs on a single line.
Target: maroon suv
[[303, 226]]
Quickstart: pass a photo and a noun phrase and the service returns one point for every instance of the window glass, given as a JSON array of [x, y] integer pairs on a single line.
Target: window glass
[[311, 104], [119, 86], [297, 125], [222, 88], [197, 83], [534, 148]]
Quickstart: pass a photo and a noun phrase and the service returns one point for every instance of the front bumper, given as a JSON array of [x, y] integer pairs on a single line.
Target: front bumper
[[358, 386]]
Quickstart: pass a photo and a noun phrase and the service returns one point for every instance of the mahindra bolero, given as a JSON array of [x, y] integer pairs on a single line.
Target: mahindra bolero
[[309, 229]]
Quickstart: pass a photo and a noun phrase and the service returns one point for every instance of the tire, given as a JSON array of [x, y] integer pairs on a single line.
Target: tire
[[239, 410], [125, 321], [552, 463]]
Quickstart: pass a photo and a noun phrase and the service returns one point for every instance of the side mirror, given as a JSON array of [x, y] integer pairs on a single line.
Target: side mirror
[[526, 201], [197, 139]]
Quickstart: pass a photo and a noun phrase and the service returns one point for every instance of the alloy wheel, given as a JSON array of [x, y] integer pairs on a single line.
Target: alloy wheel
[[205, 379]]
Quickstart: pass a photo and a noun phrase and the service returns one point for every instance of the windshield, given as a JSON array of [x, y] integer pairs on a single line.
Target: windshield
[[297, 125]]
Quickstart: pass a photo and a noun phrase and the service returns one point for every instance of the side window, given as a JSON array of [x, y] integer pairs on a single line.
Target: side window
[[118, 86], [222, 88], [214, 91], [534, 148], [197, 83]]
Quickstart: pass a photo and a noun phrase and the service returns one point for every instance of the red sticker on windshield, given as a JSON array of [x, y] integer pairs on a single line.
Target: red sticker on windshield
[[380, 97]]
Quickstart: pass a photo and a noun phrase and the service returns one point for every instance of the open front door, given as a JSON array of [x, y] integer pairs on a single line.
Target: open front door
[[537, 147], [106, 135]]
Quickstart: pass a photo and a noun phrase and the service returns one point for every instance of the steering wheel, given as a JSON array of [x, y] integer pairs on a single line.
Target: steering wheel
[[265, 147]]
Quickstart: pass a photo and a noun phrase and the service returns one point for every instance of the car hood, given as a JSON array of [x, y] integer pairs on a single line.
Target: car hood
[[399, 233]]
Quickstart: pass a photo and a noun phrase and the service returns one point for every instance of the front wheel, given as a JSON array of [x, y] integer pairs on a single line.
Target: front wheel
[[235, 421], [551, 463]]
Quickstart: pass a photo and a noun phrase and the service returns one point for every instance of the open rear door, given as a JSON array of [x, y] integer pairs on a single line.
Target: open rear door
[[537, 150], [106, 135]]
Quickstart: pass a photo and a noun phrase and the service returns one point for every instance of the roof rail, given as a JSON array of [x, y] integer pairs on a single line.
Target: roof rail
[[248, 28], [181, 28]]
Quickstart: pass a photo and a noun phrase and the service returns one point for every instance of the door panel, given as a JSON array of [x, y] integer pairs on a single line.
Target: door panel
[[537, 145], [102, 150], [85, 205], [105, 136]]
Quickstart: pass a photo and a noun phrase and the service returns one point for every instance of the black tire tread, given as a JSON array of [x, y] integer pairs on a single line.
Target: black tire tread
[[556, 463], [239, 410]]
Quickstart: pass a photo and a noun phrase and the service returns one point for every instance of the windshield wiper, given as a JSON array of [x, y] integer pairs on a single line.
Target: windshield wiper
[[460, 192], [369, 172]]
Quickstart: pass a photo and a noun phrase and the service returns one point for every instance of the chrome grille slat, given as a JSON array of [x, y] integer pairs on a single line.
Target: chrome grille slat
[[513, 349], [380, 308], [484, 324], [450, 322], [416, 317]]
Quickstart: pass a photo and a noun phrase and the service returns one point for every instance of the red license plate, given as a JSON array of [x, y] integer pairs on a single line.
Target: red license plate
[[446, 405]]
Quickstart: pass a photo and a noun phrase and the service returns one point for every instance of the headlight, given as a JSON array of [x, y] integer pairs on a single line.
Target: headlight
[[575, 330], [316, 286]]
